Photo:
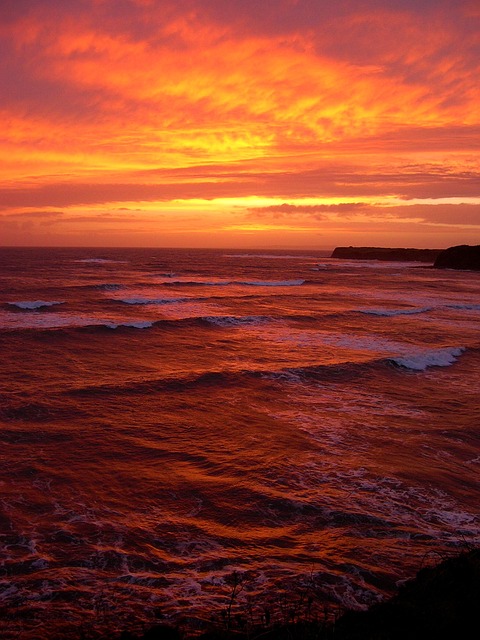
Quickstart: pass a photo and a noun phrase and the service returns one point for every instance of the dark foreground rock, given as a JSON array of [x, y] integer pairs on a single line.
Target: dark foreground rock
[[383, 253], [462, 256], [440, 603]]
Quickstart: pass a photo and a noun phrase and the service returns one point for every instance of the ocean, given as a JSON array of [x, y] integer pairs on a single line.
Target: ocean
[[175, 421]]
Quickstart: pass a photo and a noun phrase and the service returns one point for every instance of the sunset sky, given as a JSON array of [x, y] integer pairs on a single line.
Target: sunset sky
[[240, 123]]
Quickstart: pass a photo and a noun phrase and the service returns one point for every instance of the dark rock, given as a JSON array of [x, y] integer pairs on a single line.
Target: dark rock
[[441, 602], [384, 253], [162, 632], [460, 257]]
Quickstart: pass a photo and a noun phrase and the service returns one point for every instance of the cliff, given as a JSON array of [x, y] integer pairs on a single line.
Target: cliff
[[383, 253], [460, 257]]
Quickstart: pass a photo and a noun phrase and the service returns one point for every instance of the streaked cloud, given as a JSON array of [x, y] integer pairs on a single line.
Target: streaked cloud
[[142, 105]]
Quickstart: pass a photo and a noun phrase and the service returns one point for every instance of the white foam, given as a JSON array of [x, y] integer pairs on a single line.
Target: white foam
[[142, 324], [454, 519], [424, 309], [395, 312], [34, 304], [272, 283], [229, 321], [430, 358], [8, 592], [39, 564], [467, 307], [11, 320]]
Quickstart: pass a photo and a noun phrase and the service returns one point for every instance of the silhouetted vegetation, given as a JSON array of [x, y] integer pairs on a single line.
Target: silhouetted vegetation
[[440, 603]]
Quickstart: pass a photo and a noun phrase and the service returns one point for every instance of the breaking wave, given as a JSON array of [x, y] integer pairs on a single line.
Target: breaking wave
[[153, 301], [388, 313], [33, 305], [467, 307], [134, 325], [430, 358], [242, 283], [233, 321], [338, 372], [109, 286]]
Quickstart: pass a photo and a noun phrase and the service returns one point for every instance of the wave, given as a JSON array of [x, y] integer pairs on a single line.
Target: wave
[[416, 361], [218, 379], [414, 310], [196, 283], [108, 286], [242, 283], [59, 322], [33, 305], [101, 326], [144, 301], [74, 324], [466, 307], [389, 313], [172, 323], [100, 261], [145, 387], [273, 283], [234, 321], [141, 324], [395, 353], [430, 358], [270, 256], [338, 372]]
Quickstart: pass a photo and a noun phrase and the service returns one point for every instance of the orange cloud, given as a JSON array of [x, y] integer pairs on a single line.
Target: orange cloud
[[148, 103]]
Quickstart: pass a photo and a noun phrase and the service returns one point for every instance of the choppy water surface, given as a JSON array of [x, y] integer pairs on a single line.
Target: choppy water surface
[[169, 418]]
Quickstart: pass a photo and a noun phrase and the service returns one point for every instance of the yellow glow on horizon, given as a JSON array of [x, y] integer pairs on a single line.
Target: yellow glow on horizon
[[141, 121], [432, 201], [253, 228]]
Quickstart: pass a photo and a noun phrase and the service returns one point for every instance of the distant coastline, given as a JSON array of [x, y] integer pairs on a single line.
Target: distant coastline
[[387, 254], [462, 257]]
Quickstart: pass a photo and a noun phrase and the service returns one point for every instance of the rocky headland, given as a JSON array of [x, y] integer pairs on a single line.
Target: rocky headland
[[463, 256], [384, 253]]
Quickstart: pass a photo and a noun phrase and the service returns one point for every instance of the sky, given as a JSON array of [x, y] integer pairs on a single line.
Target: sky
[[240, 123]]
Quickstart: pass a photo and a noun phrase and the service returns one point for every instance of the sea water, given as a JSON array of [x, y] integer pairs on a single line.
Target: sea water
[[173, 420]]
